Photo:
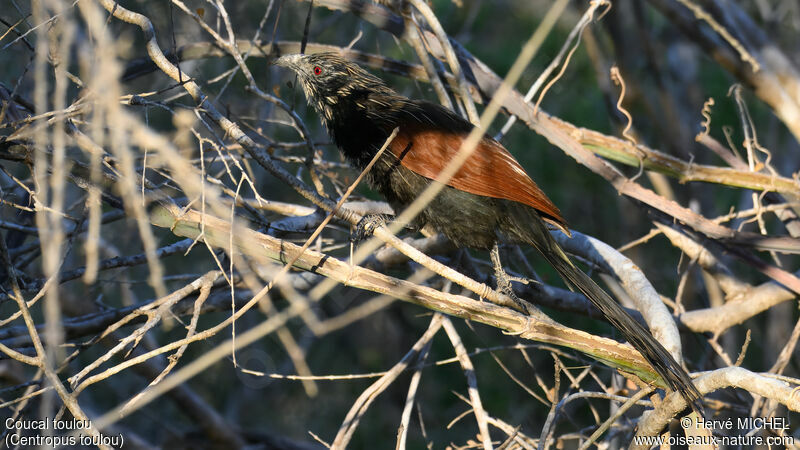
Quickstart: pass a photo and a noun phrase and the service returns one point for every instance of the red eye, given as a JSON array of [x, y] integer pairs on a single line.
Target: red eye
[[317, 70]]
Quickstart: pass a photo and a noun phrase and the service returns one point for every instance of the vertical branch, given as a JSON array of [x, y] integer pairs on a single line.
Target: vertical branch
[[472, 382], [452, 60], [368, 396]]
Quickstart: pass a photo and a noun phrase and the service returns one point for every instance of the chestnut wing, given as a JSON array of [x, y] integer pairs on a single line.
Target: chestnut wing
[[490, 170]]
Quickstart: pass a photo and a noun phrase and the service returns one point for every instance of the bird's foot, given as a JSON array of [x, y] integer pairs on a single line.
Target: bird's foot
[[504, 287], [507, 279], [504, 284], [367, 225]]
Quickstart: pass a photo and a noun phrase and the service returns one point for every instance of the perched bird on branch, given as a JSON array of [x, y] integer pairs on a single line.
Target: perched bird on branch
[[489, 200]]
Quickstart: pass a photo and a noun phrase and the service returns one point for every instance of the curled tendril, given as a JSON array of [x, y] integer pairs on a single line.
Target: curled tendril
[[706, 124]]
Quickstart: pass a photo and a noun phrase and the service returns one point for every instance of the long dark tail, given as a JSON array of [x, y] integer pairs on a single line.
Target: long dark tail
[[641, 339]]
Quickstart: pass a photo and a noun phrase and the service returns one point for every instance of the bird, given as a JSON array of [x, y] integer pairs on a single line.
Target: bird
[[490, 199]]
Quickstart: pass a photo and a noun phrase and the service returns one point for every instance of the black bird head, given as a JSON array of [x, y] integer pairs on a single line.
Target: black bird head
[[332, 83]]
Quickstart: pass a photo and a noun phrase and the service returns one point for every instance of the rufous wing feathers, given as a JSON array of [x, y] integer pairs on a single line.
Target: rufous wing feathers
[[490, 171]]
